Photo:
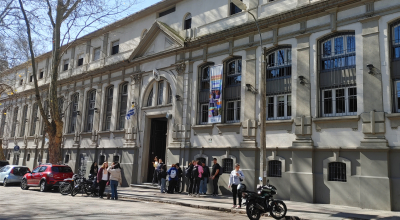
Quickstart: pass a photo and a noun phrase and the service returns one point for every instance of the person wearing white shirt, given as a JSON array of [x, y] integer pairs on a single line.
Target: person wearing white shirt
[[235, 178]]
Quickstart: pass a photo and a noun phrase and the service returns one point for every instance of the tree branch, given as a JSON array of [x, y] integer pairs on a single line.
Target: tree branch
[[50, 14], [68, 13]]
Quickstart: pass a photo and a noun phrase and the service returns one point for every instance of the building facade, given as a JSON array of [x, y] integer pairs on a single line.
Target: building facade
[[332, 96]]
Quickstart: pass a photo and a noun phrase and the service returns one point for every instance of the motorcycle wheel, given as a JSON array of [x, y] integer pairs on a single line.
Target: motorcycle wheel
[[75, 191], [278, 209], [65, 188], [88, 191], [252, 212]]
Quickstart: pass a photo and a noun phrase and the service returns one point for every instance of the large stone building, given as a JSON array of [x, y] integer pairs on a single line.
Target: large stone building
[[333, 96]]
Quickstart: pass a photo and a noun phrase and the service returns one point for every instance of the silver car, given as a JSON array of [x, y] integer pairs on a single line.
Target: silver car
[[12, 174]]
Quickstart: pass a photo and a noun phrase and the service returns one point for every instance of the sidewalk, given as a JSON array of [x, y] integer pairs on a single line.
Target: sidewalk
[[296, 210]]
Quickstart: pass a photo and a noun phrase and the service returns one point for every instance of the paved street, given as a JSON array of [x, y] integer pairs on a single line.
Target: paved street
[[32, 204]]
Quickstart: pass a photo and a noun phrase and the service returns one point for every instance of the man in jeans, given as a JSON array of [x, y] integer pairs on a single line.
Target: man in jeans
[[216, 169], [197, 178], [204, 181]]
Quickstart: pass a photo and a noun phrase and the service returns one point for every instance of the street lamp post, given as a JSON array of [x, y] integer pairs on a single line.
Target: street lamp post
[[263, 110]]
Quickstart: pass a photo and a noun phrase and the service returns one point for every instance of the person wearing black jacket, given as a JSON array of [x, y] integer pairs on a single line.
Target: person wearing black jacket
[[216, 172], [94, 169], [178, 182], [190, 178], [204, 180], [162, 176]]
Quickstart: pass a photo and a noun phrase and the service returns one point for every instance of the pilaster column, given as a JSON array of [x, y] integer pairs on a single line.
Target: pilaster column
[[114, 114], [82, 97]]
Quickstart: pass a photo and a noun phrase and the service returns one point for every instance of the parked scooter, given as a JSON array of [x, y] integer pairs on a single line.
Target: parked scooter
[[83, 185], [262, 201]]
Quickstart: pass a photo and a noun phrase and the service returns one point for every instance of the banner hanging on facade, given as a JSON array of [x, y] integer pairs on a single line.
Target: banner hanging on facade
[[215, 104]]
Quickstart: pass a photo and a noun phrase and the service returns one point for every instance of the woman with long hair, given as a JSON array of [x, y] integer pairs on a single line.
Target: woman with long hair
[[94, 168], [115, 179], [103, 176]]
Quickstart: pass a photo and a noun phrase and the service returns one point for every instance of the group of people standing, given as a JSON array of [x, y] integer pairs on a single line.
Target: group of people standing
[[107, 175], [161, 173]]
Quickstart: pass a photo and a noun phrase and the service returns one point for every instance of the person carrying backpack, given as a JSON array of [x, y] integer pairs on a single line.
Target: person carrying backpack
[[162, 176], [197, 173], [173, 177], [188, 175], [178, 182]]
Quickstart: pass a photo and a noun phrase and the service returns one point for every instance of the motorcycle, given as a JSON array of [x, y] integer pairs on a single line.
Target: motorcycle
[[83, 185], [67, 185], [262, 201]]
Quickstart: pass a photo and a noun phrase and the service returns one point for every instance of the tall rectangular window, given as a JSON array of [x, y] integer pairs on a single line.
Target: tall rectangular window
[[204, 114], [14, 122], [232, 90], [74, 112], [80, 59], [115, 47], [204, 95], [339, 102], [397, 95], [65, 65], [34, 119], [279, 107], [123, 103], [96, 54], [41, 74], [233, 111], [108, 108], [24, 120], [91, 103]]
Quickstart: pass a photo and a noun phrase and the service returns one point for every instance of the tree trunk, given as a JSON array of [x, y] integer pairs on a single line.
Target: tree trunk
[[2, 156], [55, 140]]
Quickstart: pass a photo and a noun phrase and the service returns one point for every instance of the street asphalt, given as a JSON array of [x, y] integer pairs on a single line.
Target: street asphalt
[[33, 204]]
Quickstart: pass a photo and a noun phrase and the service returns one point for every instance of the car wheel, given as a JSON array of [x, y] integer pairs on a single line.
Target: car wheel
[[5, 182], [24, 184], [43, 186]]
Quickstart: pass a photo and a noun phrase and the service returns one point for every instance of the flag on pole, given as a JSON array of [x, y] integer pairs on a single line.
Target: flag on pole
[[130, 113]]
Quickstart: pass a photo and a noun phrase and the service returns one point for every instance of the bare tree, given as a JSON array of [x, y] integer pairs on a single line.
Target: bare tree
[[66, 20]]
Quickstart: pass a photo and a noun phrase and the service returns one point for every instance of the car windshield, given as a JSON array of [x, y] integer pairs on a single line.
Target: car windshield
[[5, 169], [61, 169]]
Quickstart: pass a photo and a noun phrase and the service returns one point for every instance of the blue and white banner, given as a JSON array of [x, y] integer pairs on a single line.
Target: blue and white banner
[[215, 103], [131, 112]]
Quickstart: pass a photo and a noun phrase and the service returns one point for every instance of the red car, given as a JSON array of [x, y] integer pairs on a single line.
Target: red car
[[46, 176]]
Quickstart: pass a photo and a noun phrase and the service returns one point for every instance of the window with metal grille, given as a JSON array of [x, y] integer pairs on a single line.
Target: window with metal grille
[[24, 120], [123, 104], [234, 9], [108, 108], [115, 47], [28, 157], [102, 159], [91, 103], [66, 158], [337, 172], [279, 84], [116, 158], [31, 78], [73, 112], [21, 82], [337, 75], [34, 119], [202, 160], [188, 22], [204, 94], [150, 99], [60, 106], [227, 165], [41, 74], [160, 95], [168, 11], [232, 90], [14, 122], [274, 168], [3, 121]]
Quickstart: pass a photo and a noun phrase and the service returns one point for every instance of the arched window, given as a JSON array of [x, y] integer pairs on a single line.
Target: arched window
[[232, 92], [337, 172], [24, 120], [91, 103], [227, 165], [187, 22], [3, 122], [34, 119], [234, 9], [14, 122], [279, 83], [108, 108], [160, 94], [395, 64], [204, 94], [274, 168], [143, 34], [337, 75], [73, 112], [123, 104], [150, 99]]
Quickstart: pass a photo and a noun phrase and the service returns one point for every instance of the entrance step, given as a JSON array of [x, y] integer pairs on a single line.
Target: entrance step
[[145, 186]]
